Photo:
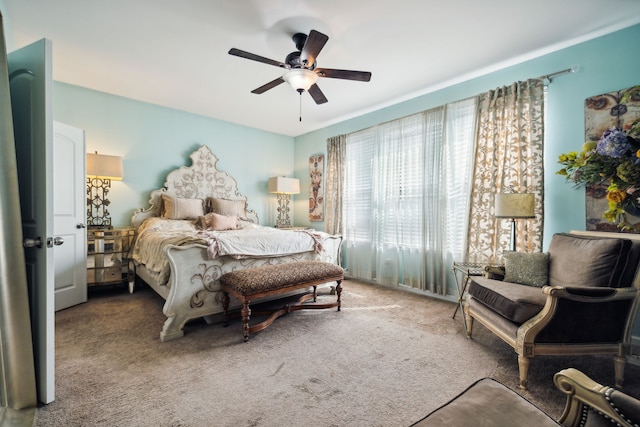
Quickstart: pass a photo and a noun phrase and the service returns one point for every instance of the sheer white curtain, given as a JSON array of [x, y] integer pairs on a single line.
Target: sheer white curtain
[[405, 197]]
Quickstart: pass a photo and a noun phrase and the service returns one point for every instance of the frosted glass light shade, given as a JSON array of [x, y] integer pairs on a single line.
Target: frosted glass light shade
[[514, 205], [104, 166], [282, 185], [300, 78]]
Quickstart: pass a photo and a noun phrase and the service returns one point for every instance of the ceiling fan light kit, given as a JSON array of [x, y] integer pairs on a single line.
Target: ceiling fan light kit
[[302, 73], [300, 79]]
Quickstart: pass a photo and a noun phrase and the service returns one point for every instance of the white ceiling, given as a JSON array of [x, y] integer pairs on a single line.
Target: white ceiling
[[174, 53]]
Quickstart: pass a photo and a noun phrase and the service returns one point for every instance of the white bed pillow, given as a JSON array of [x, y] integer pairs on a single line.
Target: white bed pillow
[[180, 208]]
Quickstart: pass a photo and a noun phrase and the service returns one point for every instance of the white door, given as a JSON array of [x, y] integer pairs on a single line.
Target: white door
[[69, 212], [31, 85]]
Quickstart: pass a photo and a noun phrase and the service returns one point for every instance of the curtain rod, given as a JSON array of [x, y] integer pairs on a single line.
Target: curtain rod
[[549, 77]]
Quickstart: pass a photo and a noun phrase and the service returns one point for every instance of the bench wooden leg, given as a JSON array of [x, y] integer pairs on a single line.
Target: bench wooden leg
[[338, 292], [225, 307], [246, 315]]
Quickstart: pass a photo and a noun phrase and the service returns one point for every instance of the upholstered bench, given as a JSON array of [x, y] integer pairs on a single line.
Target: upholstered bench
[[269, 280]]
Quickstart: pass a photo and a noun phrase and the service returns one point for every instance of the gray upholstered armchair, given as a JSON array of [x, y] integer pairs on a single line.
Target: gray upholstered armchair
[[584, 302]]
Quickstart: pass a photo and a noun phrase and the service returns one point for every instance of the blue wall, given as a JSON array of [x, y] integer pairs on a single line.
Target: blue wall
[[606, 64], [154, 140]]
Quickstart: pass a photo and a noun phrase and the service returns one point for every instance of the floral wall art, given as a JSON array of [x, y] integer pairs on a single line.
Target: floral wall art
[[609, 162], [316, 189]]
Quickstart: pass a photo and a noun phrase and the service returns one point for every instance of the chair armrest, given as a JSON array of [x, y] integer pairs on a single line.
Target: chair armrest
[[577, 315], [589, 403], [590, 294]]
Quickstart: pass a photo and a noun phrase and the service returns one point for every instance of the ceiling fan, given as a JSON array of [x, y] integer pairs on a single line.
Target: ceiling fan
[[302, 72]]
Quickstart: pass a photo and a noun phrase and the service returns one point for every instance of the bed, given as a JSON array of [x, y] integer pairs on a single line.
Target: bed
[[198, 227]]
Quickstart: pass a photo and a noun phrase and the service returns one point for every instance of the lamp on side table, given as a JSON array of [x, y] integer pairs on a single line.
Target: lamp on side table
[[512, 206], [283, 187], [101, 170]]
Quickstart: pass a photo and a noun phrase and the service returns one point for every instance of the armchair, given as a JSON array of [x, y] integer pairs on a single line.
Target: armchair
[[586, 306]]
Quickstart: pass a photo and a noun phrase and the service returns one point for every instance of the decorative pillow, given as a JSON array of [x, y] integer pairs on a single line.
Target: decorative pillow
[[226, 207], [527, 268], [179, 208], [213, 221]]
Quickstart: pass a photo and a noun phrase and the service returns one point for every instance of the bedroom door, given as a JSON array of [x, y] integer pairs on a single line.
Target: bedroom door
[[69, 213], [31, 85]]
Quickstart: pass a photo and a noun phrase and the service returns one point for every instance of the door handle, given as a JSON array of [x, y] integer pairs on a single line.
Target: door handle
[[80, 225], [30, 243], [58, 241]]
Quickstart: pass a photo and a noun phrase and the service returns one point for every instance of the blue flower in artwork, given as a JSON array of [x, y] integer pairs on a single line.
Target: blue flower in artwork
[[613, 143]]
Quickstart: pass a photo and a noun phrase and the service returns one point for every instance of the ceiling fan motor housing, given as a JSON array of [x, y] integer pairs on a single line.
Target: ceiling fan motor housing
[[299, 39], [293, 59]]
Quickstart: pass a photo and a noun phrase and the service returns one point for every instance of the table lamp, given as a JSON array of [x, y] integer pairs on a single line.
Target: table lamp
[[101, 170], [513, 206], [283, 187]]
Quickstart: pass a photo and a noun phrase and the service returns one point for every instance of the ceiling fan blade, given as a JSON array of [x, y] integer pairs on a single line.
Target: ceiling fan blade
[[312, 47], [317, 94], [254, 57], [270, 85], [362, 76]]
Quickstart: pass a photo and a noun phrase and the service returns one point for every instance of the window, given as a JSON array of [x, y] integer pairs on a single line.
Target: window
[[406, 194]]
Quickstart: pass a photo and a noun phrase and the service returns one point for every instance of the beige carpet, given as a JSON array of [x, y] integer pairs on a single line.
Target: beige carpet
[[387, 359]]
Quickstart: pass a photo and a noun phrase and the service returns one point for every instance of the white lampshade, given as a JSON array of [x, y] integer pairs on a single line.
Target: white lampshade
[[300, 78], [282, 185], [104, 166], [514, 205]]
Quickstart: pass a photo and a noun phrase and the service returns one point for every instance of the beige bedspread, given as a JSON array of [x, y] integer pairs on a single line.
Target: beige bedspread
[[260, 242], [156, 233], [250, 241]]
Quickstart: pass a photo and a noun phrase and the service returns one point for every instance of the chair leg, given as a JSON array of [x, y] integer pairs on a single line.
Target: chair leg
[[468, 320], [523, 367], [619, 363]]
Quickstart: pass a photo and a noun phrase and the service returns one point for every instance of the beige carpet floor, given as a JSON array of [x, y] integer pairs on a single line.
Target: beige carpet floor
[[387, 359]]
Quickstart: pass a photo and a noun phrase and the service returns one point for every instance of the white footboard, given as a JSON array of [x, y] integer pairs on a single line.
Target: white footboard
[[194, 287]]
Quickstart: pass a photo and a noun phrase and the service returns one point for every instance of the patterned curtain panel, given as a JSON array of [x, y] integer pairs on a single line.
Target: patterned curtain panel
[[336, 149], [509, 159]]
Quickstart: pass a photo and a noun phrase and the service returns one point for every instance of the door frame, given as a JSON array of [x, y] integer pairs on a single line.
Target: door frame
[[17, 378]]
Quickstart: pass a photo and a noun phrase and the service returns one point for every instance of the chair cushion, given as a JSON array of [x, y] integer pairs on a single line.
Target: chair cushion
[[488, 403], [588, 261], [513, 301]]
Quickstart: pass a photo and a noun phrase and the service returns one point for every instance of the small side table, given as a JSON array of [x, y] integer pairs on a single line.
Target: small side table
[[466, 270], [108, 256]]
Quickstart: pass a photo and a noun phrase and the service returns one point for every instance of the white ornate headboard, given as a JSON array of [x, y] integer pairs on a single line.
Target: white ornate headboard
[[198, 181]]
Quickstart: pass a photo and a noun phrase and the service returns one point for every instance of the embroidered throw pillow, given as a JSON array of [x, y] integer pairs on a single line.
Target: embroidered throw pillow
[[527, 268], [220, 222], [179, 208]]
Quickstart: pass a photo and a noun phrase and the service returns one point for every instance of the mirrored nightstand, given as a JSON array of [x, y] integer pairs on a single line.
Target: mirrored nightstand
[[109, 256]]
